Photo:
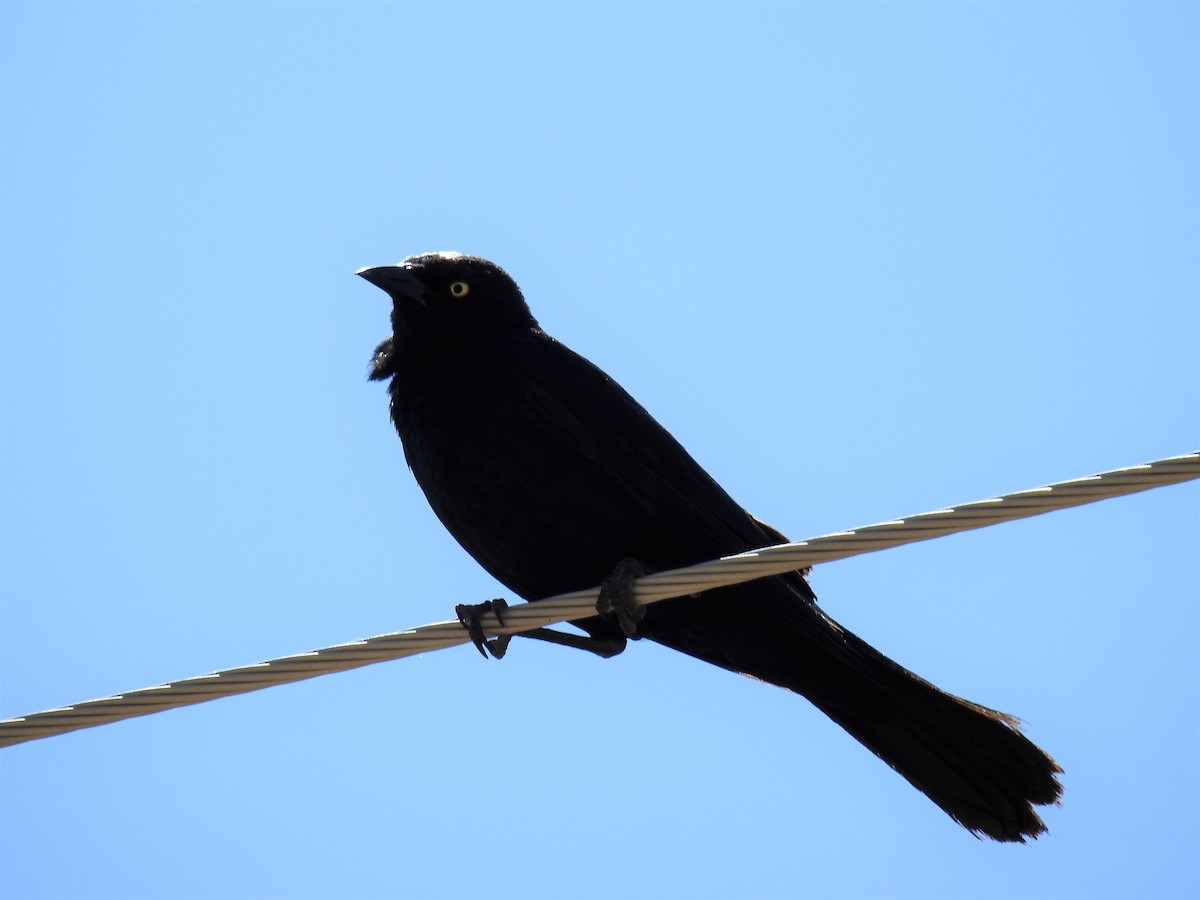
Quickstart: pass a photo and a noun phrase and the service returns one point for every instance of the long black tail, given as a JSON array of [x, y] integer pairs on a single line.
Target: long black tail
[[971, 761]]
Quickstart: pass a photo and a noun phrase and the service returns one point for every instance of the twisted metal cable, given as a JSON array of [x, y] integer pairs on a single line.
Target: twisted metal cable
[[581, 604]]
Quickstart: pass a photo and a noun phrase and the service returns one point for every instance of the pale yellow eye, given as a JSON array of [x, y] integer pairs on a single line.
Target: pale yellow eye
[[459, 289]]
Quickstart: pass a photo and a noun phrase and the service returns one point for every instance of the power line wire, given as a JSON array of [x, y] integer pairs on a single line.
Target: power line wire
[[581, 604]]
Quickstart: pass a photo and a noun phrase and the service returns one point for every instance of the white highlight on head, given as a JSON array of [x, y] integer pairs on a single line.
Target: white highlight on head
[[439, 254]]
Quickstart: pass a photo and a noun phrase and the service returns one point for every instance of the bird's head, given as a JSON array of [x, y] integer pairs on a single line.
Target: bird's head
[[444, 299]]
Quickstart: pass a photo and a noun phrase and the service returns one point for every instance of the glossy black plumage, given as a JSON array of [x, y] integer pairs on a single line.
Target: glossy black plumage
[[549, 473]]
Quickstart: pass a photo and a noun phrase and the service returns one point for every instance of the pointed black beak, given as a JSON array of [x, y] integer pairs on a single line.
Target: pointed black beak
[[398, 281]]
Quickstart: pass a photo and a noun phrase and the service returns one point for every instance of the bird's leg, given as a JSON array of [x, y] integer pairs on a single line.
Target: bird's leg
[[469, 615], [616, 599], [604, 647], [616, 595]]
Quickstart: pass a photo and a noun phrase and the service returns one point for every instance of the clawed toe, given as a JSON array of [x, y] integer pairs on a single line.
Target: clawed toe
[[616, 595], [469, 615]]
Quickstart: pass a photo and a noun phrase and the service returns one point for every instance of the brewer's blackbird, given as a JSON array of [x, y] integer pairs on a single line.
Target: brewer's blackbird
[[555, 479]]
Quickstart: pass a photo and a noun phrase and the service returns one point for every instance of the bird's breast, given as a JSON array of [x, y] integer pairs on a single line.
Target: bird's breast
[[517, 496]]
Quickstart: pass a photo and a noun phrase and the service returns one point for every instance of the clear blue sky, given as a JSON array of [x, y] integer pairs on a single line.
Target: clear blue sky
[[863, 260]]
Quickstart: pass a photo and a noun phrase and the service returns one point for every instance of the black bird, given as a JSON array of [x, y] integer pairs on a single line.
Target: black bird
[[551, 476]]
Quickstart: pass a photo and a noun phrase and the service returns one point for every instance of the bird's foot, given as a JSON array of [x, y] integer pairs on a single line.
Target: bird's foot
[[616, 595], [469, 615]]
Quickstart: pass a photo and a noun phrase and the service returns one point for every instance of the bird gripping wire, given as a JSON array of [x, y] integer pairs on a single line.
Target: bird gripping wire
[[652, 588]]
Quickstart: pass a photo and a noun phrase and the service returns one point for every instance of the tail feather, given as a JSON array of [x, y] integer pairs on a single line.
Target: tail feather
[[971, 761]]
